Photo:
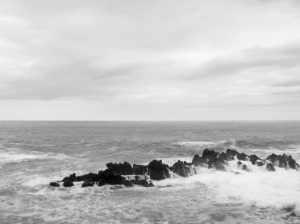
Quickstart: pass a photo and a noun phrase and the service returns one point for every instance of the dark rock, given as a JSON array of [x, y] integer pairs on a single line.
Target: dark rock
[[283, 161], [253, 159], [231, 152], [71, 178], [158, 170], [226, 157], [217, 163], [209, 154], [139, 169], [88, 177], [127, 183], [54, 184], [68, 183], [101, 183], [239, 163], [144, 183], [121, 168], [110, 177], [260, 163], [199, 161], [180, 169], [244, 167], [270, 167], [242, 156], [87, 184]]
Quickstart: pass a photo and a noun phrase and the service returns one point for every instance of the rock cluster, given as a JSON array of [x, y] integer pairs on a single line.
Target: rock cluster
[[127, 175]]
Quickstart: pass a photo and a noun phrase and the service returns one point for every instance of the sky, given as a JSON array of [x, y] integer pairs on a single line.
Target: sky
[[150, 60]]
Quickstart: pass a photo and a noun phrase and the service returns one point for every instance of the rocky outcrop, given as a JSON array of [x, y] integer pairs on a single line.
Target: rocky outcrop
[[121, 168], [181, 169], [157, 170], [128, 176], [283, 161]]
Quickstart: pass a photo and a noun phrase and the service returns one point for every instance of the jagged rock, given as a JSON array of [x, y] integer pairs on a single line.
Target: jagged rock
[[68, 183], [71, 178], [158, 170], [88, 177], [226, 157], [242, 156], [260, 163], [231, 152], [139, 169], [110, 177], [87, 184], [209, 154], [283, 161], [121, 168], [180, 169], [270, 167], [253, 159], [54, 184], [199, 161], [217, 163]]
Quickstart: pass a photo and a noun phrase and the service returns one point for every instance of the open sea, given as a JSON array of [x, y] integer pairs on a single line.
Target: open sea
[[34, 153]]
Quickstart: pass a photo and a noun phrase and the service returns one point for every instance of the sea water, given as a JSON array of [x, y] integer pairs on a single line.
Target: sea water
[[32, 154]]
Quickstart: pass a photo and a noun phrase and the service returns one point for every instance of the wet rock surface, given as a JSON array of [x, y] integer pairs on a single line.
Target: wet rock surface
[[127, 175]]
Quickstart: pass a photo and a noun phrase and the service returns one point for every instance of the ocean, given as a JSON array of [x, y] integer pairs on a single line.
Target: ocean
[[34, 153]]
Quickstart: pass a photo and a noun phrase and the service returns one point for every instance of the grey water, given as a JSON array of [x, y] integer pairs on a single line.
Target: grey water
[[33, 153]]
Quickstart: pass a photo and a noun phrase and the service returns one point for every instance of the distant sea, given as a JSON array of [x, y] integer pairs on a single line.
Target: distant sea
[[34, 153]]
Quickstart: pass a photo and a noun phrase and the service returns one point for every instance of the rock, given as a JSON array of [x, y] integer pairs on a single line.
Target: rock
[[242, 156], [217, 163], [226, 157], [180, 169], [87, 184], [110, 177], [244, 167], [283, 161], [71, 178], [253, 159], [231, 152], [68, 183], [260, 163], [139, 169], [239, 163], [88, 177], [158, 170], [210, 154], [54, 184], [101, 183], [121, 168], [270, 167], [199, 161], [144, 183]]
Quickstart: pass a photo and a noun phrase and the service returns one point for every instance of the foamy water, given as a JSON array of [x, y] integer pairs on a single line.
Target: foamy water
[[34, 154]]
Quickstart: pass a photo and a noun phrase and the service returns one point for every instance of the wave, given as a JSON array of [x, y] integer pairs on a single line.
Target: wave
[[17, 155], [201, 143]]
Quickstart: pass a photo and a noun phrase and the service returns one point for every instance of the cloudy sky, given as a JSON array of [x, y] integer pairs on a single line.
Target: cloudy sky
[[150, 60]]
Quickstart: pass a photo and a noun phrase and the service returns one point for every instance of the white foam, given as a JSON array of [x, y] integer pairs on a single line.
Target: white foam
[[259, 187], [16, 155], [199, 143]]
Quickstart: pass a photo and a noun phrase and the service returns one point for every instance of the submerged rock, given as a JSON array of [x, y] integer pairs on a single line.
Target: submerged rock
[[87, 184]]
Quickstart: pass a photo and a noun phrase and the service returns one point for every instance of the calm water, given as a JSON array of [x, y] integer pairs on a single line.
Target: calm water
[[34, 153]]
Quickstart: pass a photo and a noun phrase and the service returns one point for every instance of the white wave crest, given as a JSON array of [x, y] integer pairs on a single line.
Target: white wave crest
[[16, 155]]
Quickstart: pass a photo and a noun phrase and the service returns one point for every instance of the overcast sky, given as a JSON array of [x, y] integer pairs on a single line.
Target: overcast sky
[[150, 60]]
